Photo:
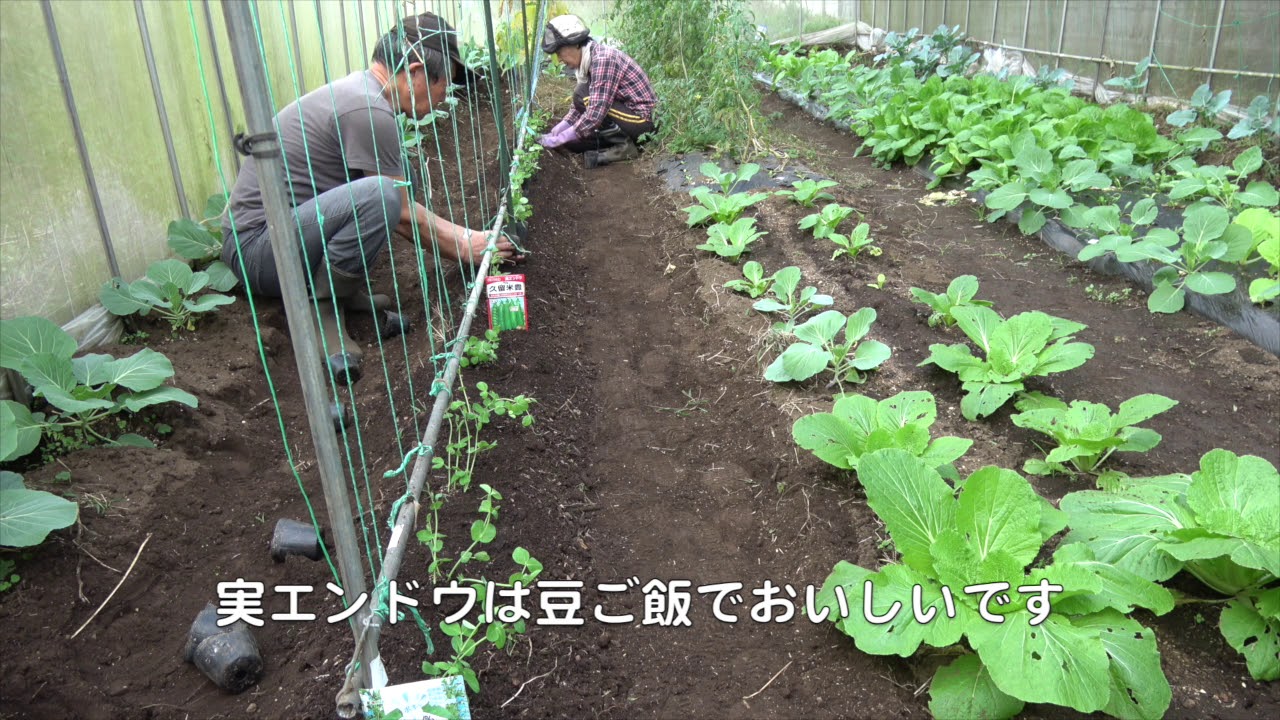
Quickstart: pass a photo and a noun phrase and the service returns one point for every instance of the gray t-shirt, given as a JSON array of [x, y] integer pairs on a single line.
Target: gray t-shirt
[[329, 137]]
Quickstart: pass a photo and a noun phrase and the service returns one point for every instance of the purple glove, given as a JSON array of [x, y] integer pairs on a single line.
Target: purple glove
[[555, 140], [560, 127]]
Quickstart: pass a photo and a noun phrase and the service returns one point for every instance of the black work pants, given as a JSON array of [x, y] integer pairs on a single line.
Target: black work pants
[[621, 122]]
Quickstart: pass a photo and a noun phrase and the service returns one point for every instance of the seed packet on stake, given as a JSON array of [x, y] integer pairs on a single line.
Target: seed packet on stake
[[508, 309], [436, 699]]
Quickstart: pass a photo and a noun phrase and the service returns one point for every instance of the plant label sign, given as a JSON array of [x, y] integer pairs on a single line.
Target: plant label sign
[[508, 309], [436, 699]]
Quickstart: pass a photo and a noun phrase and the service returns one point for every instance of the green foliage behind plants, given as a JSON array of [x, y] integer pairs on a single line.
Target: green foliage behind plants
[[960, 293], [80, 393], [818, 349], [170, 289], [858, 425], [1221, 524], [1029, 344], [1088, 433], [699, 55], [1087, 654]]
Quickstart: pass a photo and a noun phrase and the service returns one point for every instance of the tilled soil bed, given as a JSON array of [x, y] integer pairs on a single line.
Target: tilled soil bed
[[659, 453]]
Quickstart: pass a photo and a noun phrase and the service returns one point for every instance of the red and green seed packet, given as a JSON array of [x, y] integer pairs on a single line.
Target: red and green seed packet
[[508, 309]]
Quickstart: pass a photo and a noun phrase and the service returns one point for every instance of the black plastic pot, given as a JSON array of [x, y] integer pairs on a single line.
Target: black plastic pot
[[296, 538], [227, 655]]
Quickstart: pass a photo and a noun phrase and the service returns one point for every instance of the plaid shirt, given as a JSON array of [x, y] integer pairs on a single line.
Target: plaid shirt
[[615, 78]]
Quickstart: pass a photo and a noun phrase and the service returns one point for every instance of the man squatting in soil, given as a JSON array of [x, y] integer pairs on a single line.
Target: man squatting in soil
[[341, 147], [612, 103]]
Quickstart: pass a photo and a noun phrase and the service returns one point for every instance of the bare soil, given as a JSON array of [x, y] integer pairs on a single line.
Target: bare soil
[[658, 453]]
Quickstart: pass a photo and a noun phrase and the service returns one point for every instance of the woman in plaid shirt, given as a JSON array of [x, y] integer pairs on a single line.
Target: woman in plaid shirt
[[612, 104]]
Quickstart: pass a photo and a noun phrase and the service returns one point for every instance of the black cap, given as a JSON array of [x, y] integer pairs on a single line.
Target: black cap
[[428, 30]]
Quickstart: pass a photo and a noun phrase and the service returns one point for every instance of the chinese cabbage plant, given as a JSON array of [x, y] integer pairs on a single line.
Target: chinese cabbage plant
[[728, 179], [858, 425], [789, 300], [731, 241], [28, 516], [1264, 226], [79, 392], [1088, 433], [1086, 654], [825, 222], [818, 349], [808, 192], [719, 208], [1221, 524], [1030, 344], [1207, 234], [753, 282], [169, 288], [853, 244], [960, 293]]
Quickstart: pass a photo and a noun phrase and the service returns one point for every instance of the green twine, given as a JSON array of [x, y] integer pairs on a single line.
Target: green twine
[[415, 452]]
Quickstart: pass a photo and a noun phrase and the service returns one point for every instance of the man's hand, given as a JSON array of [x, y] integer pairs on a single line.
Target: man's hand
[[480, 240]]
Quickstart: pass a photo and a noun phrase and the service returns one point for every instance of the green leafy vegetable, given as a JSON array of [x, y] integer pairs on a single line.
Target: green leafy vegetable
[[808, 192], [731, 241], [1222, 525], [789, 300], [858, 425], [1087, 433], [825, 222], [1030, 344], [819, 350], [960, 293], [169, 289], [753, 282], [1085, 654], [719, 208], [28, 516]]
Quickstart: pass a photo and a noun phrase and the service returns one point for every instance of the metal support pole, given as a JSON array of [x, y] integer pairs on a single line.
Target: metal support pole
[[1102, 49], [165, 131], [285, 248], [222, 84], [1217, 37], [968, 10], [1151, 48], [324, 50], [1062, 35], [1026, 24], [944, 12], [995, 18], [364, 47], [529, 49], [297, 49], [346, 49], [85, 163], [504, 152]]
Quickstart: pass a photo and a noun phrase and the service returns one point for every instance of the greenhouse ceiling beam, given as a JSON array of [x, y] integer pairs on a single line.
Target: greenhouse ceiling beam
[[222, 83], [157, 92], [1217, 38], [1151, 47]]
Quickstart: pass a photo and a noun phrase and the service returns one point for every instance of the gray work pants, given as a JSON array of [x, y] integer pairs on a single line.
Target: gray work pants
[[347, 226]]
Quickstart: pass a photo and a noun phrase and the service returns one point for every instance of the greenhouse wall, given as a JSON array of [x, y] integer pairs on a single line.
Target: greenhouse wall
[[96, 161], [1230, 44]]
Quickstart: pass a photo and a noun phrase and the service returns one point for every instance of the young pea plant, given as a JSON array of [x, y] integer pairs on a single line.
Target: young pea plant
[[818, 349], [753, 282], [825, 223], [808, 192], [480, 351], [728, 179], [853, 244], [788, 300], [731, 241]]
